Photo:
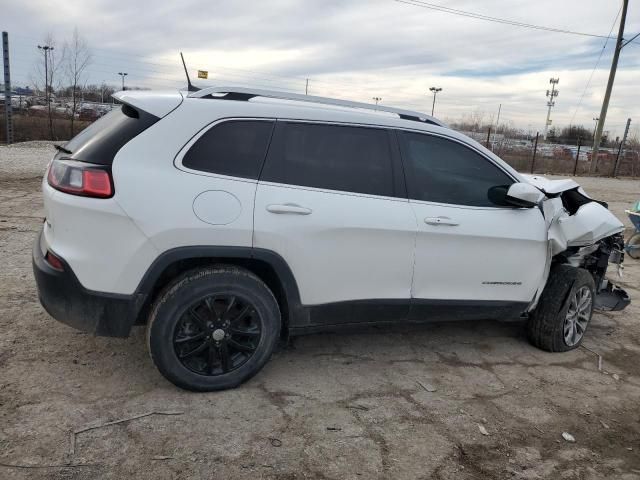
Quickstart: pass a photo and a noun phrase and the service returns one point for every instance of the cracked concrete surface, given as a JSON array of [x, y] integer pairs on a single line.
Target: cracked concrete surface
[[330, 406]]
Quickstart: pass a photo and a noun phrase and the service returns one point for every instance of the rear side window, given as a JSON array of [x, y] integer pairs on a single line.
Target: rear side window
[[443, 171], [335, 157], [236, 148], [100, 141]]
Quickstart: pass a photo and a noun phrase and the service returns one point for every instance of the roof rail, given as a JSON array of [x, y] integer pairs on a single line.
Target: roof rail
[[242, 93]]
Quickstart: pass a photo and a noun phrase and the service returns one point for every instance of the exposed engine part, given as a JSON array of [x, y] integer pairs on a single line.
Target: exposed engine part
[[578, 258], [596, 258]]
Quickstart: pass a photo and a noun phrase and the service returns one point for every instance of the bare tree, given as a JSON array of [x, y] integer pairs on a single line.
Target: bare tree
[[77, 58]]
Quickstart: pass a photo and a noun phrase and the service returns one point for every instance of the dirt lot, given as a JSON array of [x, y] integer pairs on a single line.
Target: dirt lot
[[404, 402]]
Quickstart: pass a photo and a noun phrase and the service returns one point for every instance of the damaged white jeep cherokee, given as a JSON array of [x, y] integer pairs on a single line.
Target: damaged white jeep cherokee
[[226, 218]]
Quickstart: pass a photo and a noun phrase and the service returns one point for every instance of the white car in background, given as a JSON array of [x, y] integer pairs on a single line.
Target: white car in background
[[227, 218]]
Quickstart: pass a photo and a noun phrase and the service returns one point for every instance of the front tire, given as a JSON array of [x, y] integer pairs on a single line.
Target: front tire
[[213, 328], [564, 310]]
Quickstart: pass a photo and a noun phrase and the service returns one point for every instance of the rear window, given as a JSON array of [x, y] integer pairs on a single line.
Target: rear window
[[100, 141], [236, 148]]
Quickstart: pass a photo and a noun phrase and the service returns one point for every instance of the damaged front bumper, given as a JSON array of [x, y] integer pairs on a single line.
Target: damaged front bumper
[[611, 298], [609, 253]]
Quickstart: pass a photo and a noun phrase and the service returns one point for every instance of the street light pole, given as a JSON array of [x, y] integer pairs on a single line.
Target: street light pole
[[377, 99], [435, 91], [46, 49], [123, 74]]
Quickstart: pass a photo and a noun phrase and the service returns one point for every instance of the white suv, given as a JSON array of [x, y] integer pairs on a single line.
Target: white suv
[[227, 218]]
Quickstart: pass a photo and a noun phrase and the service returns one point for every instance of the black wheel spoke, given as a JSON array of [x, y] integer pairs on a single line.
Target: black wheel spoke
[[211, 359], [191, 338], [201, 348], [232, 303], [202, 323], [211, 306], [243, 314], [217, 334], [241, 347], [245, 333], [225, 360]]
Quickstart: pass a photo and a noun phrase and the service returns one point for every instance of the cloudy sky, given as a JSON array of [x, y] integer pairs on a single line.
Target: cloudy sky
[[356, 49]]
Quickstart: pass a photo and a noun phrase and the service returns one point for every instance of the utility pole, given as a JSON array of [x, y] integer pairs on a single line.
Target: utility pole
[[535, 149], [123, 74], [435, 91], [575, 167], [595, 119], [7, 88], [551, 94], [306, 88], [46, 49], [377, 99], [497, 126], [621, 149], [607, 96]]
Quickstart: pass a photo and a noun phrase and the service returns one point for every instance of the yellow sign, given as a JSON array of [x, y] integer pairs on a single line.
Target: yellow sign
[[203, 74]]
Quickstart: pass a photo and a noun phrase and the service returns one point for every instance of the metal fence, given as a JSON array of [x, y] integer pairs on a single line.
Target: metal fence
[[525, 153], [31, 117], [528, 156]]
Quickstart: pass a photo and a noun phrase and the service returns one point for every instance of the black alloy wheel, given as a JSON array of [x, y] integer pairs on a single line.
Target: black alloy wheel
[[213, 327], [217, 334]]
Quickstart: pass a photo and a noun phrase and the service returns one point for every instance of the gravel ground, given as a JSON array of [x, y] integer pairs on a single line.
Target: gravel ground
[[403, 402]]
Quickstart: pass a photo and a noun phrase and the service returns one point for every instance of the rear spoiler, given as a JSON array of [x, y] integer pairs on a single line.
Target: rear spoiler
[[157, 103]]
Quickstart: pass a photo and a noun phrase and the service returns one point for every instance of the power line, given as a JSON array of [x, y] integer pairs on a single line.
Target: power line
[[504, 21]]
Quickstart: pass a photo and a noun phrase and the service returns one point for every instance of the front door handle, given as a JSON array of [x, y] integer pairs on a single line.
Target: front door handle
[[441, 221], [288, 208]]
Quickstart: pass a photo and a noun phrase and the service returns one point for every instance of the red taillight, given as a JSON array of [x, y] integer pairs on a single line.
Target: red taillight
[[97, 183], [80, 178], [54, 261]]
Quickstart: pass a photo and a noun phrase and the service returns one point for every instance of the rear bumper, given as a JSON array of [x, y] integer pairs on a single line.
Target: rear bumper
[[66, 300]]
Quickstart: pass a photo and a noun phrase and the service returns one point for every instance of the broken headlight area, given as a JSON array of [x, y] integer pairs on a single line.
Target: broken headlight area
[[596, 259]]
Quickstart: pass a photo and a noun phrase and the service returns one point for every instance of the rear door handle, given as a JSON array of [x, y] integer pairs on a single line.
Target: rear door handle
[[441, 221], [288, 208]]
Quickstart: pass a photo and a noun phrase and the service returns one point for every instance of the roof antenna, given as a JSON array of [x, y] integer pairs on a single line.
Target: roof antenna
[[190, 87]]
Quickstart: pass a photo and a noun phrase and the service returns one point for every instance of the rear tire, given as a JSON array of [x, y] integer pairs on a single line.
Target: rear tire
[[213, 328], [564, 310]]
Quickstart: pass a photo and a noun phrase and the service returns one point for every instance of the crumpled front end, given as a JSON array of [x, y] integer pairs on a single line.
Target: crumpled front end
[[582, 232], [596, 258]]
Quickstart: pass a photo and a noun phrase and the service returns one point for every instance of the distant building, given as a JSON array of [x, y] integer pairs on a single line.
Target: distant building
[[26, 91]]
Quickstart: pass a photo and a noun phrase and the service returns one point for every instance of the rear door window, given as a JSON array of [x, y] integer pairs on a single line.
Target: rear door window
[[333, 157], [236, 148]]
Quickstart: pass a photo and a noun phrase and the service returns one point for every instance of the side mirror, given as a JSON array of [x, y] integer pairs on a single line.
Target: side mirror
[[522, 195]]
